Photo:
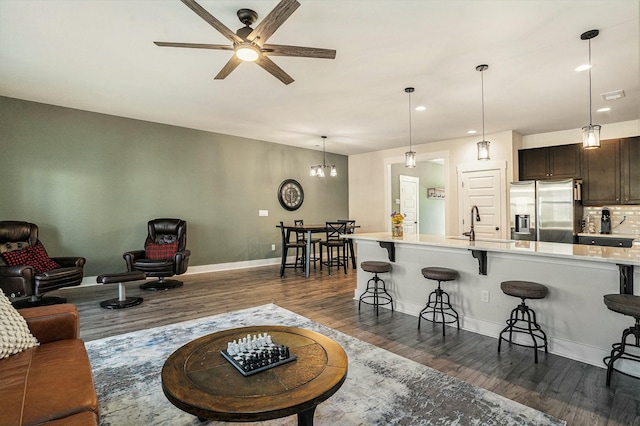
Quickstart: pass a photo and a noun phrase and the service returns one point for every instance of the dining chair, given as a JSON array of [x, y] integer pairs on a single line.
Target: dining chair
[[334, 241], [301, 236], [286, 245], [349, 252]]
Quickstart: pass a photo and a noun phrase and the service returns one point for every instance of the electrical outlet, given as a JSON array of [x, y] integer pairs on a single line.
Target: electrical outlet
[[484, 296], [273, 247]]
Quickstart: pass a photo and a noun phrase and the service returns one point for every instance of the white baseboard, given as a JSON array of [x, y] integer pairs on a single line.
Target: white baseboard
[[201, 269], [564, 348]]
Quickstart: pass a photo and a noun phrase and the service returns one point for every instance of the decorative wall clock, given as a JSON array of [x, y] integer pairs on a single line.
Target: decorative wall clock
[[290, 194]]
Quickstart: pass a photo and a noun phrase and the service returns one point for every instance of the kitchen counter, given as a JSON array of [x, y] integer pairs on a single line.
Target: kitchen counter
[[578, 323], [615, 255]]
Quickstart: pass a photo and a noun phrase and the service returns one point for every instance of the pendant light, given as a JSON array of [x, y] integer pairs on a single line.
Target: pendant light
[[483, 145], [319, 169], [410, 160], [590, 133]]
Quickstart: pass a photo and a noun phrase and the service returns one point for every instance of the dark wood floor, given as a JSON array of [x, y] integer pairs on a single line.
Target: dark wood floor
[[566, 389]]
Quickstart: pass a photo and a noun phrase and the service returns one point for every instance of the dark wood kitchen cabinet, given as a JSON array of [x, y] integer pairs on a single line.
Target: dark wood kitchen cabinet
[[630, 170], [553, 162], [611, 173]]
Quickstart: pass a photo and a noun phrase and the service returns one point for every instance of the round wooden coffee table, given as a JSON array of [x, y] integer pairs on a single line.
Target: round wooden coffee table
[[199, 380]]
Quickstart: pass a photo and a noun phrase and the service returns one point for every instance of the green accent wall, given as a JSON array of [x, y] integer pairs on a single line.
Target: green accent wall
[[91, 182]]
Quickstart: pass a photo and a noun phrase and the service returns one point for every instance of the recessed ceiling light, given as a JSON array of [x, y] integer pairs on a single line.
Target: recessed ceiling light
[[472, 132], [583, 67], [421, 108], [604, 109]]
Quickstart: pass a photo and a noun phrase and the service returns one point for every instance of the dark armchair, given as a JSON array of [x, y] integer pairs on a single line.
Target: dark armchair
[[164, 255], [26, 270]]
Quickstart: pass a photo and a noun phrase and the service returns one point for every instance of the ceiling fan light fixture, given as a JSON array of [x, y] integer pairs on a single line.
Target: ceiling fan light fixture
[[247, 52]]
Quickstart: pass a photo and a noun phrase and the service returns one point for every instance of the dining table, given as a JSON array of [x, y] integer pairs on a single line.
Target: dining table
[[316, 229]]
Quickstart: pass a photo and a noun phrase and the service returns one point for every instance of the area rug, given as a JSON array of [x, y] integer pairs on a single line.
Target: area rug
[[382, 388]]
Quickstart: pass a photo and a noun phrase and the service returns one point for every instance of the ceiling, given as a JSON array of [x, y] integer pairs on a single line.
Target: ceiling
[[99, 55]]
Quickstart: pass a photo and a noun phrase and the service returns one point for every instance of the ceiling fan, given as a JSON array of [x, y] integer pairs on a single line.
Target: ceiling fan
[[250, 44]]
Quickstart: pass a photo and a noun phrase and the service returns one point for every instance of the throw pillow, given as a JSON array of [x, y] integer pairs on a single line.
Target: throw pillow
[[40, 259], [15, 335], [35, 256], [17, 257], [161, 251]]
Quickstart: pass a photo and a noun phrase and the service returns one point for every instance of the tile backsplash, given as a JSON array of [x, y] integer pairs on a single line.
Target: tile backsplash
[[624, 219]]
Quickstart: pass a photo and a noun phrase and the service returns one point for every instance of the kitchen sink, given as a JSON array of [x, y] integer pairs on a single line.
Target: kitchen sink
[[484, 240]]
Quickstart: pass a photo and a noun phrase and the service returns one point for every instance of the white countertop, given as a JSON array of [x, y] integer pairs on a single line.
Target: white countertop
[[626, 256]]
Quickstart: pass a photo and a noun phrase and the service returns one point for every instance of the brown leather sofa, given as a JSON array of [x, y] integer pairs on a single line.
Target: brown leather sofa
[[50, 384]]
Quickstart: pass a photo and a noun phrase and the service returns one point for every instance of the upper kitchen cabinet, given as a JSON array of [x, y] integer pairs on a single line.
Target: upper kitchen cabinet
[[630, 170], [611, 173], [553, 162]]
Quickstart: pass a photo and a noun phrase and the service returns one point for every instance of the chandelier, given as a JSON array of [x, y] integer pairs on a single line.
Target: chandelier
[[319, 169]]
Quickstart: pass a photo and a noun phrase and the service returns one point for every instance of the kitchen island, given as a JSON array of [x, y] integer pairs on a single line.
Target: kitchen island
[[577, 322]]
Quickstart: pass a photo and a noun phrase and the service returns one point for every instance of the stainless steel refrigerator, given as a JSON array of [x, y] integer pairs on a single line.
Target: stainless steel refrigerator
[[545, 210]]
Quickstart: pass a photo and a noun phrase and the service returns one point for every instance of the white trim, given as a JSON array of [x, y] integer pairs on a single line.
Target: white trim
[[562, 347], [201, 269]]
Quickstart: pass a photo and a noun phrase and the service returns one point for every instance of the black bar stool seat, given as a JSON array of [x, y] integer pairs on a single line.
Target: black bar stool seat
[[375, 294], [625, 304], [122, 301], [441, 309], [527, 323]]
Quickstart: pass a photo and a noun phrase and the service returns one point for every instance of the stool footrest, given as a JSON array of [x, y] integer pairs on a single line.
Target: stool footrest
[[528, 326], [376, 295]]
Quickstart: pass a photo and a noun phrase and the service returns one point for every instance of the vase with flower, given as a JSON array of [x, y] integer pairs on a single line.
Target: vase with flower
[[397, 220]]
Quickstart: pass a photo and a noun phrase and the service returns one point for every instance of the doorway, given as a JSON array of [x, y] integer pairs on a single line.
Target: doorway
[[432, 172]]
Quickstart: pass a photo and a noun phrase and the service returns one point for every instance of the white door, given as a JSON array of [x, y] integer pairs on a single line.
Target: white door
[[409, 187], [482, 189]]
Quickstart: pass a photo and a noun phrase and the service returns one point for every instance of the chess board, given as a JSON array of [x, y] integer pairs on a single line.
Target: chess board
[[249, 360]]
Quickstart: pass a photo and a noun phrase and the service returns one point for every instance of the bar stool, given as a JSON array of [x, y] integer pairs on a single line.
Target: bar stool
[[436, 304], [375, 293], [529, 325], [625, 304]]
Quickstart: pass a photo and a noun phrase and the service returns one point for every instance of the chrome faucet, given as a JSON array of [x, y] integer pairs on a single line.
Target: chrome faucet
[[472, 233]]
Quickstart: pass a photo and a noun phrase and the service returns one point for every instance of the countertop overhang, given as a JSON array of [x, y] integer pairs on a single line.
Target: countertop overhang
[[612, 255]]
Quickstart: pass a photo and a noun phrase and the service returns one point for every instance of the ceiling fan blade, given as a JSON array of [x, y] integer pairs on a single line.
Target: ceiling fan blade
[[274, 70], [194, 45], [307, 52], [273, 20], [222, 28], [228, 67]]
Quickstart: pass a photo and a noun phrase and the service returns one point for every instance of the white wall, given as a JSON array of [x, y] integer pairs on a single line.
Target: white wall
[[367, 176], [367, 182]]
